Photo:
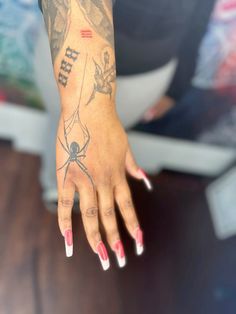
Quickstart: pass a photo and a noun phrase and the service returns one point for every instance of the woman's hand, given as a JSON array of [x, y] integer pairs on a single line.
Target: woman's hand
[[92, 147], [92, 158]]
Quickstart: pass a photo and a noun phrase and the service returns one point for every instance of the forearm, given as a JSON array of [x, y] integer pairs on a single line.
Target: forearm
[[81, 40]]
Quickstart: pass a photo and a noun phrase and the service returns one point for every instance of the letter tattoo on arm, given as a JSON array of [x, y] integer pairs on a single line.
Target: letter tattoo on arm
[[71, 55], [96, 14], [104, 77], [57, 19]]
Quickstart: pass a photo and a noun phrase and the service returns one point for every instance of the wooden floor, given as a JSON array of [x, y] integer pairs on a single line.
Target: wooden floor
[[184, 268]]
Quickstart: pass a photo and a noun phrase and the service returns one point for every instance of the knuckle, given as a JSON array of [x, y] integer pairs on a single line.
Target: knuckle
[[127, 204], [65, 202], [73, 172], [105, 180], [110, 211], [90, 212]]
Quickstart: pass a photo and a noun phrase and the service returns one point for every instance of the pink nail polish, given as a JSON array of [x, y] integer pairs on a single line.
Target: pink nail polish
[[103, 256], [149, 115], [120, 254], [68, 236], [145, 179], [138, 234]]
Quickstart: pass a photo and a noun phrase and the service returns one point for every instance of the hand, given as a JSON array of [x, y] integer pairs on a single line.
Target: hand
[[92, 158]]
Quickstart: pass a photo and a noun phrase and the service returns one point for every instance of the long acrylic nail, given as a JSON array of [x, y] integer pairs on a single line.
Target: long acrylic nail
[[120, 254], [68, 236], [138, 234], [103, 256], [145, 179]]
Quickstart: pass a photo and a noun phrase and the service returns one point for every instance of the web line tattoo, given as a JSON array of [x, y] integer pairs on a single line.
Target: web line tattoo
[[57, 19], [96, 15], [104, 76], [74, 150]]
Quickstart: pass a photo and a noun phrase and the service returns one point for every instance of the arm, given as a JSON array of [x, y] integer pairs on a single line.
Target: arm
[[92, 146]]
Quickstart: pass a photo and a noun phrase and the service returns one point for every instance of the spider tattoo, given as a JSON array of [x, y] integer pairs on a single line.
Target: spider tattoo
[[75, 154]]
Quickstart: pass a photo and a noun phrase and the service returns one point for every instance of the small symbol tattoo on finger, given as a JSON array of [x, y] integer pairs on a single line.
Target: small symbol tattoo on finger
[[91, 212]]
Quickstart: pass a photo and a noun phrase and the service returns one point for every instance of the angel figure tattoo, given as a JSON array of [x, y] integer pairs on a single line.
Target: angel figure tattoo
[[104, 77], [76, 152]]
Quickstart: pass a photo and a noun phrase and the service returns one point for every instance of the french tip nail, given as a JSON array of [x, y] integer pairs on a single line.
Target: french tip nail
[[139, 241], [121, 262], [148, 184], [69, 250], [105, 264], [103, 256], [68, 237], [139, 249], [145, 179], [120, 254]]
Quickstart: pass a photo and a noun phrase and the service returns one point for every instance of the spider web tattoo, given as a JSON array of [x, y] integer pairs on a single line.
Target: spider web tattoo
[[104, 76], [76, 152]]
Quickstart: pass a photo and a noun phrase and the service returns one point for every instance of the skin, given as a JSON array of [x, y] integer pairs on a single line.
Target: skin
[[100, 154]]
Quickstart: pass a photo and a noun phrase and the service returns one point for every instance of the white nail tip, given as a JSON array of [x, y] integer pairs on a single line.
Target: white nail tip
[[147, 183], [121, 261], [139, 249], [69, 250], [105, 264]]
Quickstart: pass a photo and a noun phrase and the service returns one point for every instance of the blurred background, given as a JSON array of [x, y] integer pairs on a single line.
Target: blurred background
[[185, 141]]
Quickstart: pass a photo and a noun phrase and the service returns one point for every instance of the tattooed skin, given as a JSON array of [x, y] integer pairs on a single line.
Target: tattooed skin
[[95, 13], [70, 56], [104, 77], [57, 19], [76, 152]]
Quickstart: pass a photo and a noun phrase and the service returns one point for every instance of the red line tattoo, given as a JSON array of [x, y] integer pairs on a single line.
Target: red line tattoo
[[86, 33]]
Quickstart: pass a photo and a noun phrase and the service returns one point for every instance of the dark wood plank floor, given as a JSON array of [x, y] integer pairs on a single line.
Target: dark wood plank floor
[[184, 269]]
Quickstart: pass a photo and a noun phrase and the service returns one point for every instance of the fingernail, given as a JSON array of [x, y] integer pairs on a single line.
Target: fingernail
[[68, 236], [103, 256], [145, 179], [138, 234], [120, 254], [148, 115]]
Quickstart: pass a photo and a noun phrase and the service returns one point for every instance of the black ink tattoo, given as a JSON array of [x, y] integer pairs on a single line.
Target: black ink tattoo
[[57, 19], [75, 151], [96, 14], [104, 77], [62, 79], [71, 54], [109, 212], [91, 212], [67, 203], [66, 66]]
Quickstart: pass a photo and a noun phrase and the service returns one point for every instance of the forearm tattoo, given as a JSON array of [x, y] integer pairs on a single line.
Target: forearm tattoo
[[96, 15], [76, 152], [70, 57], [104, 76], [57, 19]]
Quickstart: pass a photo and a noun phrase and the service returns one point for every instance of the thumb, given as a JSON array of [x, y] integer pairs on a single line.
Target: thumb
[[134, 170]]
